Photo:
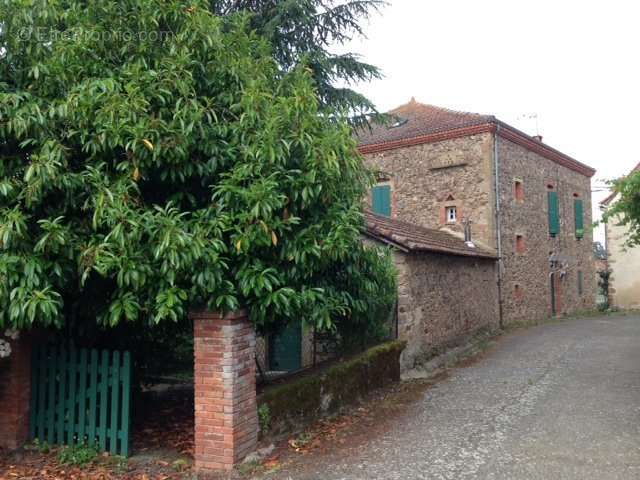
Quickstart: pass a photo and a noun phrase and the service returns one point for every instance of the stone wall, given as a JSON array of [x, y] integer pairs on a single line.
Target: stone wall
[[624, 285], [301, 400], [526, 277], [441, 299], [426, 178]]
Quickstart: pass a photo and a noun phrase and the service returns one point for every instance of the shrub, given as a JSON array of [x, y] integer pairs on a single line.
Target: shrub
[[77, 455]]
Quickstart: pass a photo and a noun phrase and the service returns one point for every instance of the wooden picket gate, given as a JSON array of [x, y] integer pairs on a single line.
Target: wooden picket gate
[[81, 396]]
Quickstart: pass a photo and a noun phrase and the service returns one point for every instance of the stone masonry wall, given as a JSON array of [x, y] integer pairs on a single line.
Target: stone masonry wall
[[442, 298], [424, 177], [526, 278]]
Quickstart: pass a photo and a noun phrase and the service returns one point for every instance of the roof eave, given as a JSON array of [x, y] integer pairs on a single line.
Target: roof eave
[[386, 240], [524, 140], [429, 138], [441, 250], [513, 134]]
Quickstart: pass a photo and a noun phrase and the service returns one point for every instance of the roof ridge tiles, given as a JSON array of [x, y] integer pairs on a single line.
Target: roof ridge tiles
[[417, 238]]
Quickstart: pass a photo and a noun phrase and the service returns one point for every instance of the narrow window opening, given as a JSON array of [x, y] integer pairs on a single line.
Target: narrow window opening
[[520, 245], [451, 214], [519, 191], [518, 291]]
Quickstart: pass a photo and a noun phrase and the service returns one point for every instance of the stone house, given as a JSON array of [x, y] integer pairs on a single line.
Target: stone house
[[437, 272], [624, 263], [525, 201]]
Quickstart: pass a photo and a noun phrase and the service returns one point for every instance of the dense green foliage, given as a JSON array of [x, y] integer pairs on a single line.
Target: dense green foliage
[[625, 210], [78, 455], [604, 283], [308, 31], [155, 158]]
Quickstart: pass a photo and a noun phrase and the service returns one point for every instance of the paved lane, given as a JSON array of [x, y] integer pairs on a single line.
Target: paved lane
[[559, 401]]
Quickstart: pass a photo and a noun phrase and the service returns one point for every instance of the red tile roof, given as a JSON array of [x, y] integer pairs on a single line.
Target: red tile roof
[[414, 238], [419, 123], [610, 198], [418, 119]]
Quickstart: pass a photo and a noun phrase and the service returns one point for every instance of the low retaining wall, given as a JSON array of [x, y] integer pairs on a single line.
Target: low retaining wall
[[302, 400]]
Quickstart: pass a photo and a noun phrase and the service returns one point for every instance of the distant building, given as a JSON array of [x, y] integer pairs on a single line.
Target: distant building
[[527, 202], [602, 267], [624, 263]]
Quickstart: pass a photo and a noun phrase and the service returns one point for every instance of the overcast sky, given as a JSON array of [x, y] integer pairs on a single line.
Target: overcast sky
[[565, 69]]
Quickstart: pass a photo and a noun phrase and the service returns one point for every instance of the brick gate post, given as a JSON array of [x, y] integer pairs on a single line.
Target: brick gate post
[[15, 394], [226, 419]]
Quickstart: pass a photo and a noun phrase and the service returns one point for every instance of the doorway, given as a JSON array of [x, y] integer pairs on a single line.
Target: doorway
[[556, 293], [285, 349]]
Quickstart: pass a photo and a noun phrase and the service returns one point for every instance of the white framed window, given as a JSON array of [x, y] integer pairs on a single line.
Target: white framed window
[[451, 214]]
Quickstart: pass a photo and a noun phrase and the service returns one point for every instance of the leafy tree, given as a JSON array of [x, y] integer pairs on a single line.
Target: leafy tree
[[625, 210], [604, 282], [155, 158], [306, 31]]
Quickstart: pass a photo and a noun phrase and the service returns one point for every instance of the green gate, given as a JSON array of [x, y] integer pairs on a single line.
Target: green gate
[[285, 349], [80, 396]]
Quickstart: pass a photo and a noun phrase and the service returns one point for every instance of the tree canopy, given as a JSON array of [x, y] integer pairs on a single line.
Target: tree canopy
[[156, 158], [625, 209], [308, 31]]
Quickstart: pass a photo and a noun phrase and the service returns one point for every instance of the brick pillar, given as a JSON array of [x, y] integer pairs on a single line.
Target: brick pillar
[[226, 419], [15, 393]]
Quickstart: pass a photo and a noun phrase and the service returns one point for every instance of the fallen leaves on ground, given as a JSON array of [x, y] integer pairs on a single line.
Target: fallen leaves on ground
[[329, 431], [166, 423], [34, 465], [162, 433]]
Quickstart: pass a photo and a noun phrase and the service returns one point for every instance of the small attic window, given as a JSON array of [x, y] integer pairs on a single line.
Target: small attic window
[[451, 214], [399, 123]]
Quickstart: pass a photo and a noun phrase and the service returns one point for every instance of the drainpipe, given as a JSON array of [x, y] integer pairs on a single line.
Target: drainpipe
[[496, 168]]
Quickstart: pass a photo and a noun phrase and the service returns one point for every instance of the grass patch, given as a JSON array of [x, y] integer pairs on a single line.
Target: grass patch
[[77, 455]]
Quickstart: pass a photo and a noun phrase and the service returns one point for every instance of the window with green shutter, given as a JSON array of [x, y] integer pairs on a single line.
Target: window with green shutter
[[554, 213], [381, 200], [579, 215]]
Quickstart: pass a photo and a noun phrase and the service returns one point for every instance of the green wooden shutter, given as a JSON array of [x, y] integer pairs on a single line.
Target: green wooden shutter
[[381, 200], [579, 214], [554, 214]]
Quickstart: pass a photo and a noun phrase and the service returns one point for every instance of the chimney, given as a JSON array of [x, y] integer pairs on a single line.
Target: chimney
[[467, 234], [537, 138]]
